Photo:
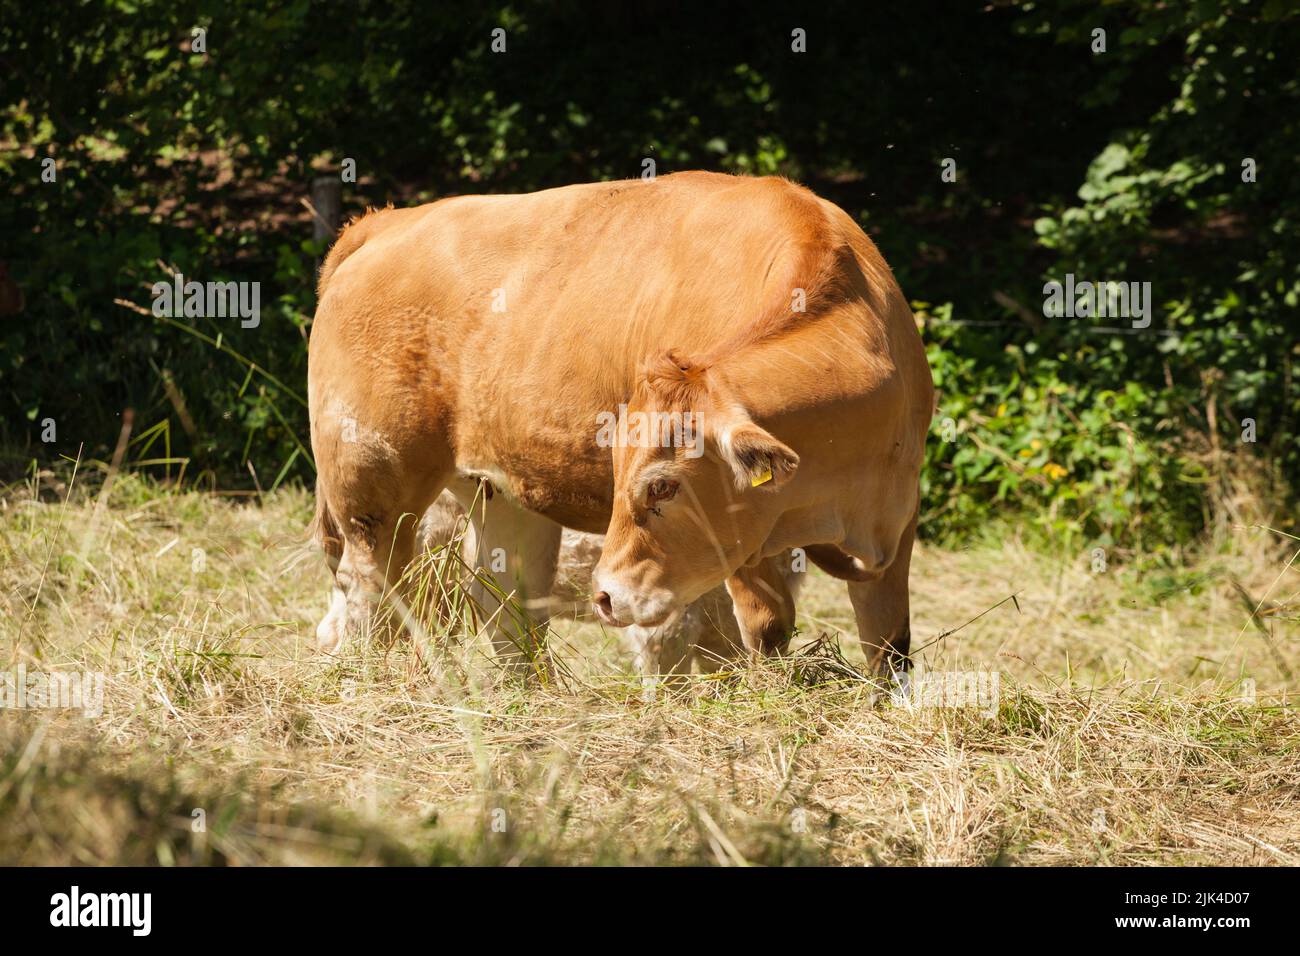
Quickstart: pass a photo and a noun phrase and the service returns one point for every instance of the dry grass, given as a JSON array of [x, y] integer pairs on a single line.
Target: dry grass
[[1122, 733]]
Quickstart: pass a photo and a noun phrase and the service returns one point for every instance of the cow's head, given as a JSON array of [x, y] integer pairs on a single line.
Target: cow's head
[[690, 510]]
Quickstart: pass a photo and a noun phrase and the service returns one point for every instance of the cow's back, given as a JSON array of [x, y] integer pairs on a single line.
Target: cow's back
[[503, 325]]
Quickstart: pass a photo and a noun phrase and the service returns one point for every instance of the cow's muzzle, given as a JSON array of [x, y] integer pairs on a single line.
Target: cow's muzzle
[[620, 606]]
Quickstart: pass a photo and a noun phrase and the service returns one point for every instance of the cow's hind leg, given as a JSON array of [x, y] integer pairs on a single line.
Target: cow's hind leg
[[366, 517], [883, 612], [372, 557], [514, 554]]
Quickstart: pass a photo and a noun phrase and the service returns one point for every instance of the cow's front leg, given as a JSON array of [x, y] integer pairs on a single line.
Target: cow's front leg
[[883, 612], [764, 607], [513, 552]]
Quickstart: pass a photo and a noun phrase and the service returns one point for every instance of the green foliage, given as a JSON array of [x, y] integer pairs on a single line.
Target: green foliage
[[1125, 165], [1091, 429], [1015, 432]]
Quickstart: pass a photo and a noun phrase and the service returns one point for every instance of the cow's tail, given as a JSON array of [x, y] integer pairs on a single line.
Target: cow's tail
[[351, 238], [324, 530]]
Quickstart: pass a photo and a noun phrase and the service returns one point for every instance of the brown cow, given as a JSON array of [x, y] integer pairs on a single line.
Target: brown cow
[[488, 341]]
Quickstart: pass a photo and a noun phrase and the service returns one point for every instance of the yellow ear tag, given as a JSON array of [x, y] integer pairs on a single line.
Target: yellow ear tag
[[765, 477]]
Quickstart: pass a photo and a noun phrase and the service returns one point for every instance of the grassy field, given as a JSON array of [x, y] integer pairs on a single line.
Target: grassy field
[[1142, 715]]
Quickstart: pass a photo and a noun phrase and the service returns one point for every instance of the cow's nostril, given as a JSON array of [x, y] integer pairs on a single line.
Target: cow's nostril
[[603, 604]]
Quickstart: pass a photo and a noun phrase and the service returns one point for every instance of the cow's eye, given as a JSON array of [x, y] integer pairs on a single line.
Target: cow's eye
[[661, 489]]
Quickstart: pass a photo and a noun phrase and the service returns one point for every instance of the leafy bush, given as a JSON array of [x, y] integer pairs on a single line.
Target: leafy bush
[[1016, 433]]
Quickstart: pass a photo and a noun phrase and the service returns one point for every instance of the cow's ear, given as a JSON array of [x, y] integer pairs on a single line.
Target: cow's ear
[[756, 458]]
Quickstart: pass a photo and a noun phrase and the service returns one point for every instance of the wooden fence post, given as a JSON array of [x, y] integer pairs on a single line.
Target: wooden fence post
[[326, 209], [327, 199]]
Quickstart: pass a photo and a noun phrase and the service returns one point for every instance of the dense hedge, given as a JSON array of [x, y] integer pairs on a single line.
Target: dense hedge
[[1121, 165]]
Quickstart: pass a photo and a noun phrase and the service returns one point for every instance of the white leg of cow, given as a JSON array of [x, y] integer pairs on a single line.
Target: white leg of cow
[[661, 652], [517, 550]]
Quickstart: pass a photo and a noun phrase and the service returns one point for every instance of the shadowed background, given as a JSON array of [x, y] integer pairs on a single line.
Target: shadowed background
[[1124, 165]]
